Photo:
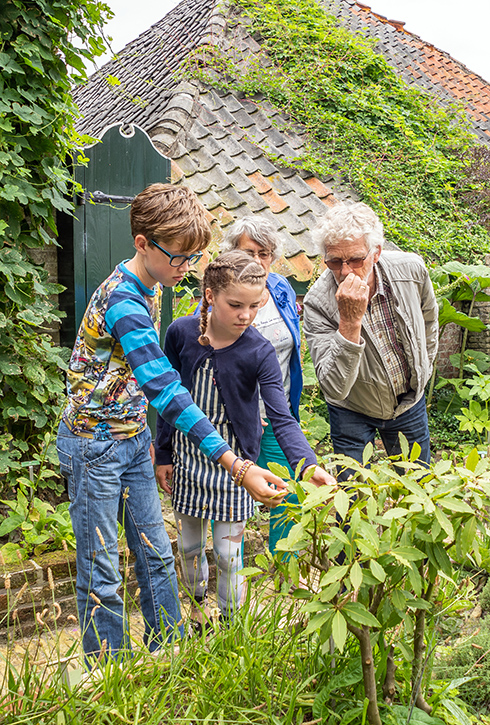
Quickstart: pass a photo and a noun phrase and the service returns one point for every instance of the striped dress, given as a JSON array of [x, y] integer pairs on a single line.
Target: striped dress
[[200, 487]]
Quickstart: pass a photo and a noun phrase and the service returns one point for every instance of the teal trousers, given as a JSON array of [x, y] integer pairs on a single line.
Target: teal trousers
[[271, 452]]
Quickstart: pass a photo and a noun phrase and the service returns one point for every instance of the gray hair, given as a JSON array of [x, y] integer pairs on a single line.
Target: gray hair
[[259, 230], [347, 222]]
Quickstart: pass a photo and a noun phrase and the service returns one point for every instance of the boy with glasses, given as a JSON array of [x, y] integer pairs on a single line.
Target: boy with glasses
[[116, 368]]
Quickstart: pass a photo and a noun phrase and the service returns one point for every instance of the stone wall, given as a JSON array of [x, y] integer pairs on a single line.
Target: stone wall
[[47, 257], [39, 594], [449, 344], [480, 340]]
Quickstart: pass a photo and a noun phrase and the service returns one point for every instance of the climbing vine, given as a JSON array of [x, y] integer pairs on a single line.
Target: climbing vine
[[43, 46], [404, 152]]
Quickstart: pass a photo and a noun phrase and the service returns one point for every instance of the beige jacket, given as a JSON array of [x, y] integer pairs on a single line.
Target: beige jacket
[[353, 375]]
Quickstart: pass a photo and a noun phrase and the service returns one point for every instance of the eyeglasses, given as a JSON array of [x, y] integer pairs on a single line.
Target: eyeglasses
[[354, 263], [177, 260], [260, 255]]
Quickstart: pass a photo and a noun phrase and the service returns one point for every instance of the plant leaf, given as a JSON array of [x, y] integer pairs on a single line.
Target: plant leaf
[[461, 717], [455, 504], [341, 502], [339, 630], [407, 553], [358, 614], [367, 454], [377, 570], [472, 460], [356, 575]]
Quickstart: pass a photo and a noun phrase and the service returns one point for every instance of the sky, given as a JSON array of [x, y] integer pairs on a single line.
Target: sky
[[459, 27]]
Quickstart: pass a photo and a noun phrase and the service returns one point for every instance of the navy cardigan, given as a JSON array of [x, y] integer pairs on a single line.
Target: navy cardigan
[[239, 369]]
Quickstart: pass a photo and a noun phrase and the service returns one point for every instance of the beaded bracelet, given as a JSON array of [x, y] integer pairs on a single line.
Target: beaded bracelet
[[238, 479], [238, 458], [241, 473]]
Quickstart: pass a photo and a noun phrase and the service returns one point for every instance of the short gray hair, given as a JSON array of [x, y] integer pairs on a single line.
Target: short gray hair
[[259, 230], [347, 222]]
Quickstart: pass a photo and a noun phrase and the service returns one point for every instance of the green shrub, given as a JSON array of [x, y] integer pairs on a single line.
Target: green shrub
[[44, 44], [485, 598], [376, 556], [469, 656], [444, 426]]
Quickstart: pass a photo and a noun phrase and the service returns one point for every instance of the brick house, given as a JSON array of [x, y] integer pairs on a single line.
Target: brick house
[[238, 153]]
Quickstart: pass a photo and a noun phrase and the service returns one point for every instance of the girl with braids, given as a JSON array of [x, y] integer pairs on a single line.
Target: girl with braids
[[223, 361]]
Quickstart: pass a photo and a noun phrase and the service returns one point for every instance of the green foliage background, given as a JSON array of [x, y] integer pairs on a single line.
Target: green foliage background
[[39, 62], [406, 155]]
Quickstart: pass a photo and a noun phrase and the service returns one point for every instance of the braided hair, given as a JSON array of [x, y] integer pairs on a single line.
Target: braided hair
[[234, 267]]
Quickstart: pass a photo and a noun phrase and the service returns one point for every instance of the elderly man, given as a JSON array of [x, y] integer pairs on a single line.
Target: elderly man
[[371, 323]]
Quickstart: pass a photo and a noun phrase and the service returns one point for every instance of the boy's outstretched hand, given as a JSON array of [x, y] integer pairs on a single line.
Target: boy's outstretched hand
[[321, 477]]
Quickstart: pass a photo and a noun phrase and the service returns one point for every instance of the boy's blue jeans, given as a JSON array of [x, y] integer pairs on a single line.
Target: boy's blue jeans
[[111, 481]]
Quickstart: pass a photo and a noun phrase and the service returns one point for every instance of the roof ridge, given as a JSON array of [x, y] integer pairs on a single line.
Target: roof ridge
[[217, 19], [399, 26], [177, 118]]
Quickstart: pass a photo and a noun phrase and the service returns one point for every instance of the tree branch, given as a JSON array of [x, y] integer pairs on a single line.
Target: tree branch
[[368, 672], [389, 684], [378, 596]]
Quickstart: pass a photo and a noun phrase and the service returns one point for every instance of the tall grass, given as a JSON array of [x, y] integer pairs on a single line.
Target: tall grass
[[257, 669]]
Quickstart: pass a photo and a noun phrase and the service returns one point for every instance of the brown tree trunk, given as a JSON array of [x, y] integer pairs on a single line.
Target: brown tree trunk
[[418, 662], [368, 673], [389, 685]]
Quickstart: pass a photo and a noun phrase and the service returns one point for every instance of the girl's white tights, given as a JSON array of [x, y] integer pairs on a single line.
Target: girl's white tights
[[227, 549]]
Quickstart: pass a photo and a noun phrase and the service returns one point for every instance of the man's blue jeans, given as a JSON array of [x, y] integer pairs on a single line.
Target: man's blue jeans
[[351, 432], [111, 481]]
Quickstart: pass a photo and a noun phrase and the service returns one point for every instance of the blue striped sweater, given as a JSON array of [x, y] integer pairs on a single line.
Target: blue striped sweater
[[117, 367]]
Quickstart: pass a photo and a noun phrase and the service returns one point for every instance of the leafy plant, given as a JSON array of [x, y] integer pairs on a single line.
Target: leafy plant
[[44, 45], [474, 390], [374, 553], [467, 657], [313, 411], [41, 527], [484, 598], [185, 301], [471, 357], [443, 426], [455, 283], [313, 423], [475, 185]]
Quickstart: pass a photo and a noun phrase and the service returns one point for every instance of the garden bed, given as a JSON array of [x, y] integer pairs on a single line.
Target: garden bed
[[40, 591]]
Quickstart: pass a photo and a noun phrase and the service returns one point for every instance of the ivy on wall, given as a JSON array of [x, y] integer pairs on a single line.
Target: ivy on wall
[[404, 153], [43, 45]]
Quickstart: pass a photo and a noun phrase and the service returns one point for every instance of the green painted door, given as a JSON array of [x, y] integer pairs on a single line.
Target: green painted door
[[124, 163]]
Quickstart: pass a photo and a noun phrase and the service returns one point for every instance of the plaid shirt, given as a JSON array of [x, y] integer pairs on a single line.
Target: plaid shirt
[[380, 322]]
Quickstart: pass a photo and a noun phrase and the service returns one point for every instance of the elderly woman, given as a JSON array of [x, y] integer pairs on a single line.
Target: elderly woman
[[278, 321]]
